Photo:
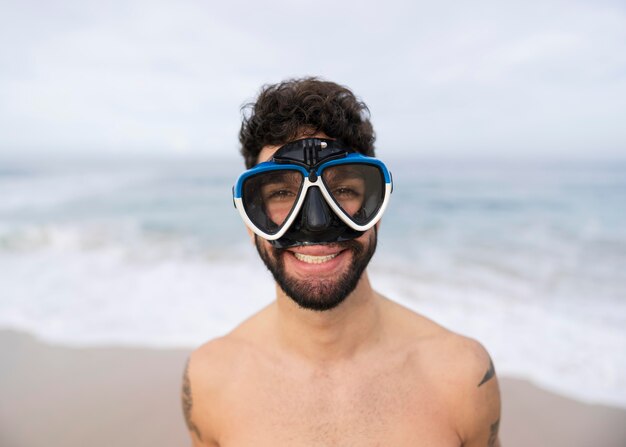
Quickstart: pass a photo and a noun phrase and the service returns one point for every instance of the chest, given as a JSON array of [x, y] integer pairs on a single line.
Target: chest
[[371, 407]]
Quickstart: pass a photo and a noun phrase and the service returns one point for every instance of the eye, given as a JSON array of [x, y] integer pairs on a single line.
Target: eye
[[346, 193], [279, 194]]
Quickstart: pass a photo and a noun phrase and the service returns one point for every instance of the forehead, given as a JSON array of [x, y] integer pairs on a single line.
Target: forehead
[[267, 152]]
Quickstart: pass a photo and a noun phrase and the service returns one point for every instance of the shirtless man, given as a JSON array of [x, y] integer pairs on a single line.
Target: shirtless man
[[330, 362]]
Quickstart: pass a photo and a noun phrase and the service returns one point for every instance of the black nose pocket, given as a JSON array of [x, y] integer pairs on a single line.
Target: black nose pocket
[[316, 214]]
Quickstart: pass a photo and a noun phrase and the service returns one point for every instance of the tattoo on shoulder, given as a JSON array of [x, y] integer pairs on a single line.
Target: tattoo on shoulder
[[489, 374], [493, 434], [188, 403]]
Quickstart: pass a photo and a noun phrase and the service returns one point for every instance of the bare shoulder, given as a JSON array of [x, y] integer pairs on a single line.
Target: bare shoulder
[[461, 359], [219, 358], [206, 370], [461, 371], [211, 370], [473, 392]]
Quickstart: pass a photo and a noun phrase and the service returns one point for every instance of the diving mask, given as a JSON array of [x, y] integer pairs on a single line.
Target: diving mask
[[313, 191]]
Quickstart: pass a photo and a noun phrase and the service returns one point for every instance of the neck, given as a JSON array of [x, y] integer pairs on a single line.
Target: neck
[[334, 334]]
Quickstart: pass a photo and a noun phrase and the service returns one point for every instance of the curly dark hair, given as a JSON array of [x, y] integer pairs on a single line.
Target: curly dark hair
[[295, 107]]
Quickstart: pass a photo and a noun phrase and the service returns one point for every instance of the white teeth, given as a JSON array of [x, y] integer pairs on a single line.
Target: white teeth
[[314, 259]]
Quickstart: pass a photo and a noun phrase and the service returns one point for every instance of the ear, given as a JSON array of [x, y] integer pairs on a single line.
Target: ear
[[251, 235]]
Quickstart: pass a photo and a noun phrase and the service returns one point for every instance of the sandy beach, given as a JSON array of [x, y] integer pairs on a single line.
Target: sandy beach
[[58, 396]]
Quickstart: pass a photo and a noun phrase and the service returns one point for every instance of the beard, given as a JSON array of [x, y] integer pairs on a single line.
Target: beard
[[319, 294]]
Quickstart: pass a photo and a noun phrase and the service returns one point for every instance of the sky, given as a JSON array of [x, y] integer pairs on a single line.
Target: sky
[[509, 79]]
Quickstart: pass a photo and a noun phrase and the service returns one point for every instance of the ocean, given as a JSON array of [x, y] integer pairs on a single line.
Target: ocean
[[527, 257]]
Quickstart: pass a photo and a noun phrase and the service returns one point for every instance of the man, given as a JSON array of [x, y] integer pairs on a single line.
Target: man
[[331, 362]]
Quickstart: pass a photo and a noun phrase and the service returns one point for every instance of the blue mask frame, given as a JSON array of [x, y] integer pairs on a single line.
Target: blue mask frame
[[310, 157]]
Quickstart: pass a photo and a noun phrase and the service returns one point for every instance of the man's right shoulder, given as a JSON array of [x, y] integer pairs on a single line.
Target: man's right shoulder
[[221, 357], [221, 360], [209, 372], [213, 359], [213, 372]]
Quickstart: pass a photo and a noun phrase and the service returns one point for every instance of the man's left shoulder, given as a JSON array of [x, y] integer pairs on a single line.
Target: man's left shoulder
[[458, 359], [468, 382], [459, 370], [467, 362]]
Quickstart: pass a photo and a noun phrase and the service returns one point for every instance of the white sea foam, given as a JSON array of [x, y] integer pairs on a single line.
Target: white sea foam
[[76, 287]]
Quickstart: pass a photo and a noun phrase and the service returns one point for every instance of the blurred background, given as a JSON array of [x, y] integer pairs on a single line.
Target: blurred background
[[502, 122]]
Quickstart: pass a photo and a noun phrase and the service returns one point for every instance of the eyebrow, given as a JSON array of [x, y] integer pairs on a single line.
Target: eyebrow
[[348, 172], [278, 176]]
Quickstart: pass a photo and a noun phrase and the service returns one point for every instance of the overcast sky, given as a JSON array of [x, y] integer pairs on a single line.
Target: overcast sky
[[449, 78]]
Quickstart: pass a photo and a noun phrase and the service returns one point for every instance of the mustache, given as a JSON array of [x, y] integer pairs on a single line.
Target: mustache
[[351, 245]]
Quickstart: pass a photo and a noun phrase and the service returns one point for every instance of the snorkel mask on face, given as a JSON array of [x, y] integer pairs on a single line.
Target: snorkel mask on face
[[313, 191]]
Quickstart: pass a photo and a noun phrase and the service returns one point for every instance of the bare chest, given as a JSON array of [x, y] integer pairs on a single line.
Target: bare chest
[[373, 407]]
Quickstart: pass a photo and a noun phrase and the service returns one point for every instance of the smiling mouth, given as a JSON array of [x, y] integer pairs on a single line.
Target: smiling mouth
[[309, 259]]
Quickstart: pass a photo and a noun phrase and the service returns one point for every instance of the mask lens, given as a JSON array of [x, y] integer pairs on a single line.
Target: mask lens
[[269, 198], [358, 189]]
